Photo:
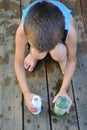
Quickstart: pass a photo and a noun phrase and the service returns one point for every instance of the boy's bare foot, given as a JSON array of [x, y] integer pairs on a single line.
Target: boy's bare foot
[[29, 63]]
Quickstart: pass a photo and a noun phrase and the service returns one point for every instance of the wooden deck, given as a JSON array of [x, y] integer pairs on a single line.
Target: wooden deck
[[44, 80]]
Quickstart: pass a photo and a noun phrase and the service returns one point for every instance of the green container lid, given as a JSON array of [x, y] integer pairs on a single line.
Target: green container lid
[[61, 105]]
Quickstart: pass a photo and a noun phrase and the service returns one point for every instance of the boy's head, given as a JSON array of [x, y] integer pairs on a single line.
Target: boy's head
[[44, 26]]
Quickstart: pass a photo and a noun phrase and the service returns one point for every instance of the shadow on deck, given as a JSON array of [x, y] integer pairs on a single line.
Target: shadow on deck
[[13, 114]]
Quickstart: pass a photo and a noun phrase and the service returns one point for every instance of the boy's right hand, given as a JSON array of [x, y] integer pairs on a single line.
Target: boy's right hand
[[28, 102]]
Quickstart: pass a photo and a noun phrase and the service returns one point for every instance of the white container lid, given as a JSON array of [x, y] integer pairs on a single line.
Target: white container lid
[[36, 101]]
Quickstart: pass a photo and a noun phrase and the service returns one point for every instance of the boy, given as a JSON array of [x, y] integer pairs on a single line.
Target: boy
[[48, 27]]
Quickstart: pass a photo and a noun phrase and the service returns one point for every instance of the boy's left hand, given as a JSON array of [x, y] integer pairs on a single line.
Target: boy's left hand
[[60, 93]]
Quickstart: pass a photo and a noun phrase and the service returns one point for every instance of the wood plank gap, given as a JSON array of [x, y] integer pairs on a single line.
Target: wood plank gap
[[22, 103], [49, 109], [75, 105]]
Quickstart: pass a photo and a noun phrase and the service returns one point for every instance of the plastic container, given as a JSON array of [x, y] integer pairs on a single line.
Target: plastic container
[[36, 101], [61, 106]]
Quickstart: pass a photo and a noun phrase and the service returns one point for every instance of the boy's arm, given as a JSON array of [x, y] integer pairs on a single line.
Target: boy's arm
[[71, 61], [71, 58], [19, 58], [21, 43]]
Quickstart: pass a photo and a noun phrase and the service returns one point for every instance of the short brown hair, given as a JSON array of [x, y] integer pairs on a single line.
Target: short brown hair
[[44, 26]]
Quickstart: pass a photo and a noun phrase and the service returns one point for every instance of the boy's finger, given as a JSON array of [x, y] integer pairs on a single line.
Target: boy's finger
[[54, 100], [32, 108], [26, 65], [30, 68], [41, 98]]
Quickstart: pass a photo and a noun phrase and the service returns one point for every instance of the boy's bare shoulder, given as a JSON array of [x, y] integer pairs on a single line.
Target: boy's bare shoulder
[[20, 29], [72, 34], [20, 34]]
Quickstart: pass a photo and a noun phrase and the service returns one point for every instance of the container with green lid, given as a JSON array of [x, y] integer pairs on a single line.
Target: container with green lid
[[61, 105]]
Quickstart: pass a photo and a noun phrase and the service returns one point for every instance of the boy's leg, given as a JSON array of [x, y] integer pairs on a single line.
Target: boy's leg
[[59, 54], [32, 58]]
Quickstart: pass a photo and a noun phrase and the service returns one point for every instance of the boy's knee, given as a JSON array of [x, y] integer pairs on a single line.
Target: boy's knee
[[59, 52]]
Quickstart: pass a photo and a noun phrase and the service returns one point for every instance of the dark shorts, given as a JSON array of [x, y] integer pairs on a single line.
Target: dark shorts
[[64, 37]]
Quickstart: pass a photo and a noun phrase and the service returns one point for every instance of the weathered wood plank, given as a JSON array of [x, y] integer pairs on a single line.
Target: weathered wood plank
[[71, 119], [79, 86], [84, 12], [68, 121], [37, 83], [10, 96], [75, 6], [79, 78]]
